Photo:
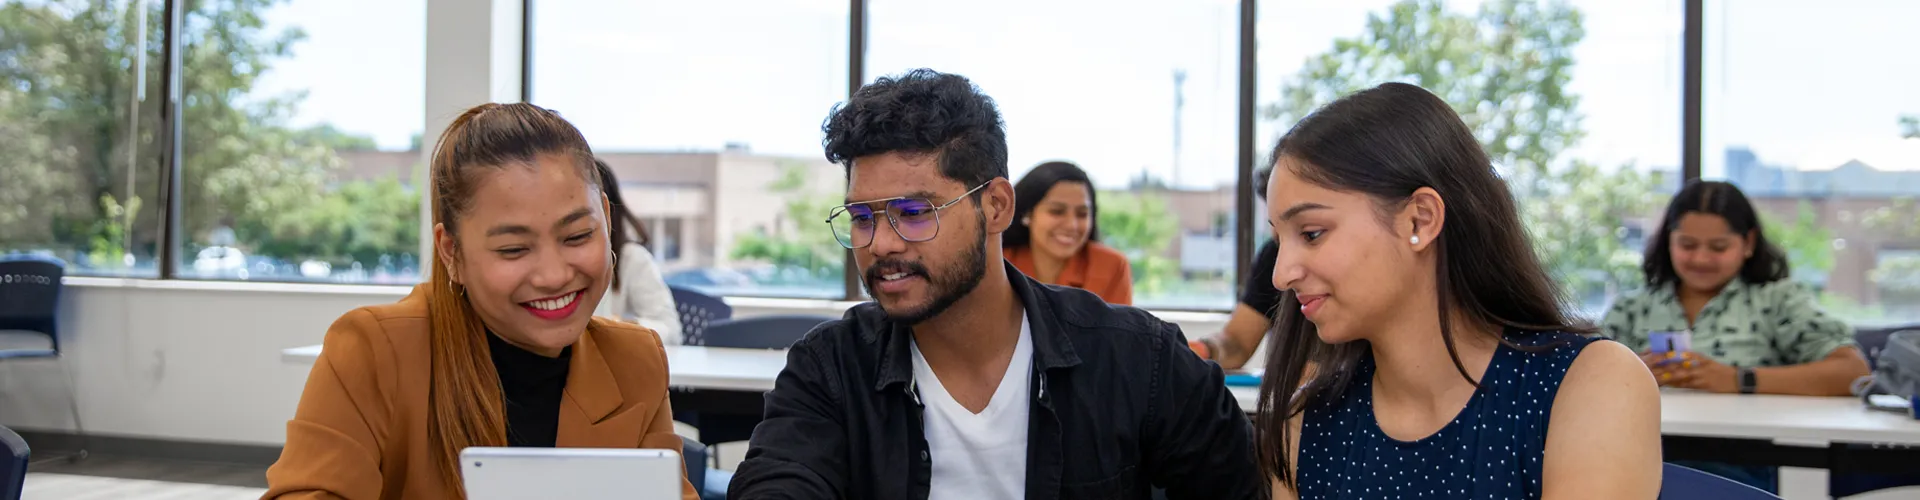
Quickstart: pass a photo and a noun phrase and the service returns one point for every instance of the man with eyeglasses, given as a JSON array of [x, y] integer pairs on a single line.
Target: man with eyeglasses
[[965, 379]]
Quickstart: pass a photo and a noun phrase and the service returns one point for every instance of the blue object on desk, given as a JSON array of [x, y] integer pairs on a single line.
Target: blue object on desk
[[1243, 379]]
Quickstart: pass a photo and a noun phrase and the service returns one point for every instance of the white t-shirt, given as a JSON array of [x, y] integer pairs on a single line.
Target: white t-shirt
[[984, 455]]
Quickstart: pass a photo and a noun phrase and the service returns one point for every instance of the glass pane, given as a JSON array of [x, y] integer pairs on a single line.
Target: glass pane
[[80, 95], [1585, 127], [709, 113], [302, 135], [1140, 94], [1811, 110]]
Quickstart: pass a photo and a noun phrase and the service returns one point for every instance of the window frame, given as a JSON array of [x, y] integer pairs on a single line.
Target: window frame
[[170, 251]]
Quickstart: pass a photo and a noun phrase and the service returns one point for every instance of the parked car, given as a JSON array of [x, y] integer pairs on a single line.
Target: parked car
[[221, 262]]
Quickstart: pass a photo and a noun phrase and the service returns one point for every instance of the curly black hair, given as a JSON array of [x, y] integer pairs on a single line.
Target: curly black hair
[[922, 111]]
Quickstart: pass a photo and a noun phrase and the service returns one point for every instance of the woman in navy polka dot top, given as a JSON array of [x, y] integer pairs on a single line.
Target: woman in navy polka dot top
[[1420, 349]]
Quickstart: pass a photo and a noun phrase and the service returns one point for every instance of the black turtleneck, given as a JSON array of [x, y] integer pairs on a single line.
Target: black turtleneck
[[532, 385]]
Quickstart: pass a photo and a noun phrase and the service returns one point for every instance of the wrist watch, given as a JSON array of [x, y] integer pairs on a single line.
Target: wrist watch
[[1748, 381]]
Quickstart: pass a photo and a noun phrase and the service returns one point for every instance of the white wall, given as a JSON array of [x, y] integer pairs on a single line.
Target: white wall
[[200, 361], [179, 360]]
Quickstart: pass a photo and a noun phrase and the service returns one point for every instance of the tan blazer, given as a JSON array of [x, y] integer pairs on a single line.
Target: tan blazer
[[361, 429]]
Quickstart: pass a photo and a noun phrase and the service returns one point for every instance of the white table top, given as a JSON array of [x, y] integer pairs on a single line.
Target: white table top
[[1788, 420], [696, 367]]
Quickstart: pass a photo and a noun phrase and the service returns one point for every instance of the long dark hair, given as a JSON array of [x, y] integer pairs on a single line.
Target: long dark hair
[[620, 218], [1033, 187], [1387, 142], [1768, 263]]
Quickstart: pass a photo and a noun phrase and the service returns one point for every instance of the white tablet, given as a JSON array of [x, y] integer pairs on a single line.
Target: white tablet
[[570, 473]]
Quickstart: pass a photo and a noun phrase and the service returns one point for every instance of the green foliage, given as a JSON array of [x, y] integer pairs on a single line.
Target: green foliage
[[356, 221], [1899, 274], [798, 243], [1505, 70], [1900, 219], [1140, 225], [1910, 126], [1809, 245], [110, 234], [76, 127]]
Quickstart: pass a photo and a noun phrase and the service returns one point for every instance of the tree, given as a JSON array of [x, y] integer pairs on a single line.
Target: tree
[[1910, 127], [1808, 244], [1505, 70], [1139, 225], [799, 246], [76, 129]]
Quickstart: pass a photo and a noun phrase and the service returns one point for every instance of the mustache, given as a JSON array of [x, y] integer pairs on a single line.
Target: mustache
[[891, 266]]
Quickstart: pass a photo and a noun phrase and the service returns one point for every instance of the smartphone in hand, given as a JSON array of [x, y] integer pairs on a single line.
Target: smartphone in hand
[[1671, 343]]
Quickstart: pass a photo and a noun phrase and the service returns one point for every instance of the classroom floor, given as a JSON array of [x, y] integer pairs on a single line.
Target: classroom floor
[[114, 477]]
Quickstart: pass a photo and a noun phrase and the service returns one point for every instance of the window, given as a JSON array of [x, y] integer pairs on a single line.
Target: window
[[80, 94], [301, 138], [1141, 96], [1591, 156], [1810, 109], [715, 108]]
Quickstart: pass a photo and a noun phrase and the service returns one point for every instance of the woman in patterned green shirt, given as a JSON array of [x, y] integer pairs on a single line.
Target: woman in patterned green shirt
[[1711, 271]]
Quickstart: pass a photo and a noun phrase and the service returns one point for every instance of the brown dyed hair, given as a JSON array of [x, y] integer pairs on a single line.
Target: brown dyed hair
[[465, 393]]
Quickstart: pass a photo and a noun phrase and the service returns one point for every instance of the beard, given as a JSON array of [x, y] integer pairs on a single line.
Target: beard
[[952, 283]]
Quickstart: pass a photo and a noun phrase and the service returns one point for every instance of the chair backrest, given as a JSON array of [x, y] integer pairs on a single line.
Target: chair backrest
[[694, 455], [763, 332], [1683, 483], [697, 310], [1872, 340], [30, 294], [13, 464]]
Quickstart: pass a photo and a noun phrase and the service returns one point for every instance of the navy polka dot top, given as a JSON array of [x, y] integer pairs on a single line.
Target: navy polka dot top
[[1492, 449]]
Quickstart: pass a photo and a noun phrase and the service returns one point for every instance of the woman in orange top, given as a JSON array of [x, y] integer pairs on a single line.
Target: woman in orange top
[[1056, 239], [499, 347]]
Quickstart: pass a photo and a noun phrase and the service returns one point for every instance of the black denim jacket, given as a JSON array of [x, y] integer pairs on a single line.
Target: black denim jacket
[[1120, 406]]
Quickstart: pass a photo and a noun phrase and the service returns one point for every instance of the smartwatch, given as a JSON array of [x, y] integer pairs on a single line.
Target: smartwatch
[[1749, 382]]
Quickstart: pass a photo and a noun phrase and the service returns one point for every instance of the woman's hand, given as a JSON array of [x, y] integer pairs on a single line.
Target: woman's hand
[[1692, 370]]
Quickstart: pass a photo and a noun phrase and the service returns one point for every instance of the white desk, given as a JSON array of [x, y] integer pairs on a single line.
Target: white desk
[[696, 367], [724, 368], [1785, 420], [300, 355]]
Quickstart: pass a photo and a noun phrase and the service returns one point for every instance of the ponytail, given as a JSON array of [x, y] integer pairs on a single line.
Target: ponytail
[[467, 405]]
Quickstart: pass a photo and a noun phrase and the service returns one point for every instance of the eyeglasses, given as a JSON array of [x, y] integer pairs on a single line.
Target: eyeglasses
[[914, 219]]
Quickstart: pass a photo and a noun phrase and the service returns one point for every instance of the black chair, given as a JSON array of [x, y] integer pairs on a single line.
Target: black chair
[[697, 310], [29, 304], [1842, 483], [777, 331], [13, 464], [694, 456], [1872, 340], [757, 332], [1682, 483]]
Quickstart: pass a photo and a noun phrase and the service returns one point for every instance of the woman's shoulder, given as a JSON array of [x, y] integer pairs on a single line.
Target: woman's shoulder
[[1641, 296], [626, 339], [1099, 254], [630, 251], [399, 327], [1779, 290], [1557, 347]]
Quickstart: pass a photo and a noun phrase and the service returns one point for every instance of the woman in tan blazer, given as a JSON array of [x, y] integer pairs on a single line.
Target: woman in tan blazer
[[499, 347]]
